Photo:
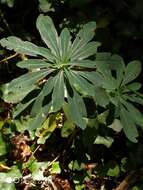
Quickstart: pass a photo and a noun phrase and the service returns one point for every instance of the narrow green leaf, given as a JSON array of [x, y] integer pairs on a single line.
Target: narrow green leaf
[[18, 88], [133, 69], [117, 64], [48, 33], [19, 46], [58, 93], [65, 43], [93, 77], [133, 86], [84, 36], [11, 95], [40, 118], [34, 64], [80, 83], [87, 32], [135, 113], [129, 127], [83, 63], [45, 52], [135, 98], [46, 90], [101, 97], [73, 112], [2, 146], [21, 107], [85, 51]]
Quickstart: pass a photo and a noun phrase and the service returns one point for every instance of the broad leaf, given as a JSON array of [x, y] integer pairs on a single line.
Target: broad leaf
[[133, 69], [107, 141], [116, 125]]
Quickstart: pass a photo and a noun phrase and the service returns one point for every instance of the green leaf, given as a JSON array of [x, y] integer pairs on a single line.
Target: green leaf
[[7, 186], [85, 51], [10, 177], [16, 44], [101, 118], [22, 47], [135, 98], [37, 169], [134, 113], [40, 118], [21, 107], [83, 37], [47, 89], [132, 71], [45, 6], [107, 141], [133, 86], [101, 97], [45, 52], [116, 125], [129, 127], [58, 93], [48, 33], [110, 83], [55, 168], [102, 63], [87, 32], [113, 169], [80, 84], [2, 146], [24, 124], [44, 131], [11, 95], [65, 44], [67, 128], [73, 111], [93, 77], [34, 64], [18, 88], [117, 64], [83, 63]]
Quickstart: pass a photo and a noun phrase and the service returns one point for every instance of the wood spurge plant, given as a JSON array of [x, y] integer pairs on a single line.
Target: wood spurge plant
[[63, 74], [69, 86]]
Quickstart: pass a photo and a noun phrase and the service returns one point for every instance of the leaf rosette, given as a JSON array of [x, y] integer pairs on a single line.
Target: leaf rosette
[[54, 73]]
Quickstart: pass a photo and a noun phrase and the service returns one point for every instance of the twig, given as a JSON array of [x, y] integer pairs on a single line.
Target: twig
[[130, 180], [10, 57]]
